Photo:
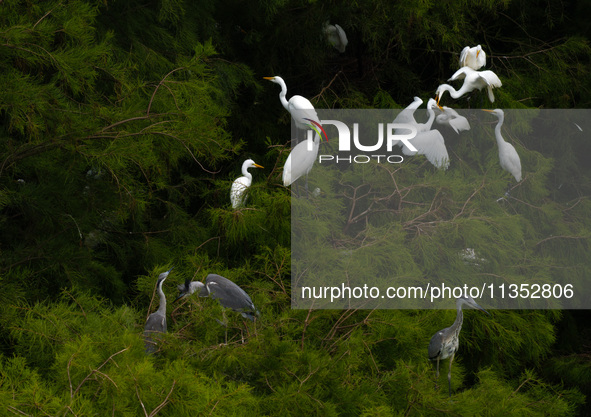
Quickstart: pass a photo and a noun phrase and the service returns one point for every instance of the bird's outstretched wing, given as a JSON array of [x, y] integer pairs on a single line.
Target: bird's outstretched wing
[[432, 145], [460, 74]]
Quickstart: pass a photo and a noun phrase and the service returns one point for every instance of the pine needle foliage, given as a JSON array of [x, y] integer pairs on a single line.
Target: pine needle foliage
[[122, 127]]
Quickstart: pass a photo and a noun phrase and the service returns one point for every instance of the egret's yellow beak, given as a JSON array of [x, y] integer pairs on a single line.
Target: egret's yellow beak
[[268, 78], [258, 166], [487, 110], [477, 52], [437, 99]]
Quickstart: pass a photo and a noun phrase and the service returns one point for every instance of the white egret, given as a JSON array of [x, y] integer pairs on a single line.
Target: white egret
[[299, 107], [432, 145], [474, 57], [301, 159], [336, 36], [427, 142], [508, 156], [240, 185], [453, 119], [473, 80]]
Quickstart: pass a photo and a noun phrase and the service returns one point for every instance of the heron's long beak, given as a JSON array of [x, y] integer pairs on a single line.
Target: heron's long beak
[[480, 308], [258, 166], [181, 295], [477, 52], [170, 269], [269, 78], [487, 110]]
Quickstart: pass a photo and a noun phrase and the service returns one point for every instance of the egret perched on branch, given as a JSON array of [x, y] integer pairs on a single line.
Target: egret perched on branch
[[336, 36], [474, 57], [473, 80], [427, 142], [445, 343], [238, 192], [299, 107], [508, 156], [219, 288], [156, 322], [452, 118]]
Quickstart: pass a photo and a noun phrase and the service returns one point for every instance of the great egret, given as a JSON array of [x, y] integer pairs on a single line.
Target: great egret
[[432, 145], [445, 343], [301, 159], [452, 118], [427, 142], [336, 36], [473, 80], [241, 184], [508, 156], [474, 57], [299, 107]]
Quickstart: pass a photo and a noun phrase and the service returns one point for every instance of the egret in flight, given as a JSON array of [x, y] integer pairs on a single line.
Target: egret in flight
[[156, 322], [508, 156], [336, 36], [473, 80], [473, 57], [238, 192], [300, 108], [445, 343]]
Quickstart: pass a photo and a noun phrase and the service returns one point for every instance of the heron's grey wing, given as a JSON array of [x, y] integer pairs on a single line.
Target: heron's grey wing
[[155, 323], [435, 344], [228, 293]]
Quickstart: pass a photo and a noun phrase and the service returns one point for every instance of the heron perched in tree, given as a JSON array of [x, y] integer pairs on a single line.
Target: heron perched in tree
[[508, 156], [444, 344], [300, 108], [241, 184], [225, 291], [336, 36], [473, 80], [156, 322], [473, 57]]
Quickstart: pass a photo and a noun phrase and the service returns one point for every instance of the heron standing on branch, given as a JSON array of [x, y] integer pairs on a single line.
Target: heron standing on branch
[[156, 322], [445, 343]]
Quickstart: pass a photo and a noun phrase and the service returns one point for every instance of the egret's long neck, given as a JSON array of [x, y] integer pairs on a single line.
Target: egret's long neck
[[452, 91], [498, 131], [162, 306], [431, 118], [246, 173], [282, 95]]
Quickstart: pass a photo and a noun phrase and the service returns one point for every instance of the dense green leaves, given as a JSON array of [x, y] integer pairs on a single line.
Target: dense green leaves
[[122, 126]]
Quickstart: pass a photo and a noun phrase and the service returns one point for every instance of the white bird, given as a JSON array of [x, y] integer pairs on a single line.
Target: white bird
[[336, 36], [473, 80], [474, 57], [432, 145], [299, 107], [508, 156], [301, 159], [452, 118], [238, 192], [427, 142]]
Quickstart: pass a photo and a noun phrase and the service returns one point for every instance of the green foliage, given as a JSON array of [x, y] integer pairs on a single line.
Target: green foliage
[[122, 127]]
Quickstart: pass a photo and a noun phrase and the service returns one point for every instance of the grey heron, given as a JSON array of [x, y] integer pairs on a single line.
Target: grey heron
[[444, 344], [225, 291], [156, 322]]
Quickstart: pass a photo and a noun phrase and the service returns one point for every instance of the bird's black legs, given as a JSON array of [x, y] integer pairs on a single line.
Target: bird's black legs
[[451, 358]]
